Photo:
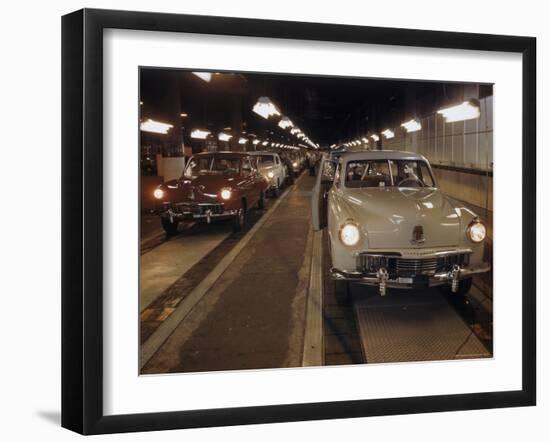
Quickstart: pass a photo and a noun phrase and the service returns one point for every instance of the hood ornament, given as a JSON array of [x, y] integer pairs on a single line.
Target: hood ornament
[[418, 235]]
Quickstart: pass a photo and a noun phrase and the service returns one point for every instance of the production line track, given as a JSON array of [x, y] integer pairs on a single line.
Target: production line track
[[234, 299], [404, 325]]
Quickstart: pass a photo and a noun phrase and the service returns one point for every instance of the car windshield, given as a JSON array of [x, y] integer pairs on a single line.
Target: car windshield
[[382, 173], [265, 160], [212, 165]]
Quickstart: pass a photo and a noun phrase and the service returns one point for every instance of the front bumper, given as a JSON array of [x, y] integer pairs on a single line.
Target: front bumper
[[408, 269], [439, 278], [198, 212]]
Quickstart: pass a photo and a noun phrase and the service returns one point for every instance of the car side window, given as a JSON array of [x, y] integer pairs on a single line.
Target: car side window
[[425, 175], [337, 175], [276, 159], [247, 167]]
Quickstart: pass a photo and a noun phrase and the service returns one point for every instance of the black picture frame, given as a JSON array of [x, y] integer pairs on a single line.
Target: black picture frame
[[82, 215]]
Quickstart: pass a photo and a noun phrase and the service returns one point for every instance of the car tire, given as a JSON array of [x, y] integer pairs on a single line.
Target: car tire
[[277, 189], [239, 221], [170, 227], [261, 201], [341, 292], [464, 287], [290, 179]]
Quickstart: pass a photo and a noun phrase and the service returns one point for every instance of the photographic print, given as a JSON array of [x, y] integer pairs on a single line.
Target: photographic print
[[274, 221], [299, 220]]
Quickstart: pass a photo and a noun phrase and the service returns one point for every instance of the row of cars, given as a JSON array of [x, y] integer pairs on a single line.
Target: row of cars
[[223, 185], [390, 226]]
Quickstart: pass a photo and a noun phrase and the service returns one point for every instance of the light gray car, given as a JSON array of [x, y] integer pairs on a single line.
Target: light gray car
[[390, 225]]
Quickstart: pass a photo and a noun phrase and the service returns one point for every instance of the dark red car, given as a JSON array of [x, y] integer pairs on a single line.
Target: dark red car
[[213, 186]]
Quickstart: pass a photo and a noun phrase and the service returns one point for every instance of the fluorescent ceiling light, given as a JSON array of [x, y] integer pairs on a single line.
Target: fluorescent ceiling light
[[255, 142], [265, 143], [242, 141], [412, 125], [265, 108], [464, 111], [388, 133], [365, 140], [184, 114], [206, 76], [200, 134], [155, 127], [375, 137], [223, 137], [286, 123], [295, 131]]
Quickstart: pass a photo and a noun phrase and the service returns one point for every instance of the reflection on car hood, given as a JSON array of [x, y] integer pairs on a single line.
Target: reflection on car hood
[[207, 186], [389, 216]]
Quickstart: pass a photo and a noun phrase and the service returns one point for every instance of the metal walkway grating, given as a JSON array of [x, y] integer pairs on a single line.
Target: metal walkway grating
[[411, 327]]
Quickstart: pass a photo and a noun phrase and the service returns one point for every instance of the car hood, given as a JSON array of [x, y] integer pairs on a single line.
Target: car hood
[[204, 187], [265, 169], [390, 216]]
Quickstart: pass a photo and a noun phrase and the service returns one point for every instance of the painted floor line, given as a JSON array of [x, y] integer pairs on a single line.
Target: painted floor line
[[155, 341]]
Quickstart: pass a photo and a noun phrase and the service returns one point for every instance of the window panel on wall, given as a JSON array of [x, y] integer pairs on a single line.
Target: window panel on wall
[[471, 158], [486, 114], [438, 133], [457, 143], [447, 152], [485, 149]]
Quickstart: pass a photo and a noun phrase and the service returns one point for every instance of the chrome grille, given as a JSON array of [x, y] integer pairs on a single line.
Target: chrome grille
[[197, 208], [397, 265], [416, 265]]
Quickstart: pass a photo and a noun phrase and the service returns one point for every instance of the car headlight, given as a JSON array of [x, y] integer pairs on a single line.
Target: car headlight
[[270, 174], [349, 233], [295, 164], [225, 194], [476, 231], [158, 193]]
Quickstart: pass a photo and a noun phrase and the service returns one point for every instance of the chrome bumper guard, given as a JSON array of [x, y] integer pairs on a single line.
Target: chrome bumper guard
[[200, 213], [383, 281]]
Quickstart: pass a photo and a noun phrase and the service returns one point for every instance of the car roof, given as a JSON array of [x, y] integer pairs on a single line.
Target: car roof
[[224, 153], [263, 153], [381, 155]]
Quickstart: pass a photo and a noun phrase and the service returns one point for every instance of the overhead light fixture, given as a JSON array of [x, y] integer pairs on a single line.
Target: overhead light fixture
[[285, 122], [155, 127], [388, 133], [200, 134], [465, 111], [206, 76], [295, 131], [184, 114], [242, 141], [223, 137], [255, 142], [375, 137], [265, 143], [365, 140], [265, 108], [412, 125]]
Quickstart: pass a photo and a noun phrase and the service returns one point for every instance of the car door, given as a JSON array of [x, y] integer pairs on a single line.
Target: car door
[[279, 170], [323, 182]]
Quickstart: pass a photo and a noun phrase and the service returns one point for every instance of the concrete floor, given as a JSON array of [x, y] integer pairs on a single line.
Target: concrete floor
[[163, 265]]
